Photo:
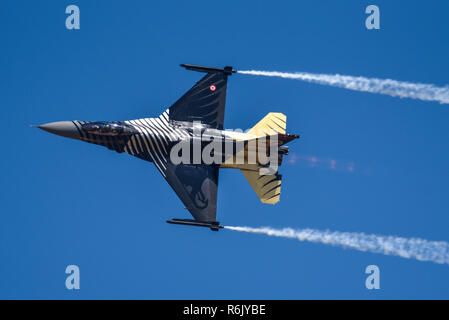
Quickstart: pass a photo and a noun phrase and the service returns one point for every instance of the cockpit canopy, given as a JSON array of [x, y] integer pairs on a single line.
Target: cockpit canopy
[[106, 128]]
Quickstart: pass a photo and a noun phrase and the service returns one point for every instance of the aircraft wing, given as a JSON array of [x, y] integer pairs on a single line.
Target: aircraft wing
[[206, 100], [196, 186]]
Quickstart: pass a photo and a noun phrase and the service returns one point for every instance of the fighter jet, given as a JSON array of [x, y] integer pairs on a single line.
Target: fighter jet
[[188, 145]]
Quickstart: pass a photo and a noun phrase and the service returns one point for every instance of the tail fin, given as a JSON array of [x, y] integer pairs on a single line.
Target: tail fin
[[267, 187]]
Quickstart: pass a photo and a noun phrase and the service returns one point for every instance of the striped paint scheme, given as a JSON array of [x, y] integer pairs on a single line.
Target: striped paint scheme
[[151, 143], [156, 136]]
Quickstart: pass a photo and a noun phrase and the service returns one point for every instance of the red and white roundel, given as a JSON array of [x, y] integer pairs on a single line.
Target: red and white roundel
[[212, 87]]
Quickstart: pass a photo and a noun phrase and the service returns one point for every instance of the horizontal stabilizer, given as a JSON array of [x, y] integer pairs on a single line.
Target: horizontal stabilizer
[[267, 187], [272, 124]]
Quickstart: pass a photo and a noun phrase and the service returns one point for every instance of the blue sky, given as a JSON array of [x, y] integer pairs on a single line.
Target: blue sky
[[66, 202]]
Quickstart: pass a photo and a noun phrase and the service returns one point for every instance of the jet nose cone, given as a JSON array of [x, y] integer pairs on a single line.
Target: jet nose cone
[[61, 128]]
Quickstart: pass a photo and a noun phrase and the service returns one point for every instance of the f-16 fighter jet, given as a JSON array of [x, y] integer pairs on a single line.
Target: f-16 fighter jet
[[188, 145]]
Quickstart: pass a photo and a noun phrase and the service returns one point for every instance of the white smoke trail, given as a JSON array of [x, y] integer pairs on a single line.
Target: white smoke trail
[[394, 88], [410, 248]]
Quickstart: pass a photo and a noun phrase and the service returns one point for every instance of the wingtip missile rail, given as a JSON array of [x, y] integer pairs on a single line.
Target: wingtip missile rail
[[213, 225], [226, 70]]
